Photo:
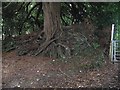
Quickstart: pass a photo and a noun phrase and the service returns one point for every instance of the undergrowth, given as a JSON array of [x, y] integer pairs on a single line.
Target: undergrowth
[[89, 59]]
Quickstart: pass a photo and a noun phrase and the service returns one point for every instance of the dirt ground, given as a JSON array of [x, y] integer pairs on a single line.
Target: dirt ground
[[43, 72]]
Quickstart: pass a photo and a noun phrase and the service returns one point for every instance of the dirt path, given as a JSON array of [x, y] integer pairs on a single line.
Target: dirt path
[[39, 72]]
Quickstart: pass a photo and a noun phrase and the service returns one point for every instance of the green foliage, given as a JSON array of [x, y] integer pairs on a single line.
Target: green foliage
[[91, 59], [117, 29], [118, 32], [19, 18], [96, 45], [102, 14], [15, 14], [96, 58]]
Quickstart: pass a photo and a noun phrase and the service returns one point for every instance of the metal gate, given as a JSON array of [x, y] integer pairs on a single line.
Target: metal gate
[[114, 47], [116, 51]]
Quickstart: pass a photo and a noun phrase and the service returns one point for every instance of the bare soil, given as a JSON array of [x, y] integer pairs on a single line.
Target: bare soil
[[43, 72]]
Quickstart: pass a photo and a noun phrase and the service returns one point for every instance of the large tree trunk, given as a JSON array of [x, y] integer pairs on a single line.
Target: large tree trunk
[[52, 24]]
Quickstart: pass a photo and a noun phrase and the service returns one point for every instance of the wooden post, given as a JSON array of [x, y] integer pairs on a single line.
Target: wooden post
[[119, 75], [111, 44], [0, 64]]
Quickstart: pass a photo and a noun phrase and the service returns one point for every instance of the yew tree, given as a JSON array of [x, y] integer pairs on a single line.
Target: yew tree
[[52, 24]]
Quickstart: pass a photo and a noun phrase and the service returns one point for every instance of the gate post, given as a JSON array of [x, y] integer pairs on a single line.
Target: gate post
[[119, 75], [111, 44]]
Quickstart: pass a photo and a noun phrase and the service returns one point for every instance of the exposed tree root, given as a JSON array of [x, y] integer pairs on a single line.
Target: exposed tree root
[[66, 44], [44, 46]]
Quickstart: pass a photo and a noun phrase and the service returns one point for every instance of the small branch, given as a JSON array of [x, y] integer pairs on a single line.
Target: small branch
[[12, 48], [38, 12], [64, 73], [27, 6], [31, 11], [7, 5], [68, 51], [63, 20], [44, 46], [73, 79], [28, 16], [21, 6]]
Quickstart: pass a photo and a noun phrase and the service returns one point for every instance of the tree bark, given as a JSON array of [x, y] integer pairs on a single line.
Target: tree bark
[[52, 25]]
